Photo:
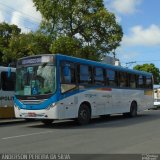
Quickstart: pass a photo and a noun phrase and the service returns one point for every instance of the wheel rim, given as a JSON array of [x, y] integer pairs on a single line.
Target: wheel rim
[[83, 114]]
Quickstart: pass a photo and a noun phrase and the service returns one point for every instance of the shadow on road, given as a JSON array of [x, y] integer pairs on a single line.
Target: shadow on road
[[98, 122]]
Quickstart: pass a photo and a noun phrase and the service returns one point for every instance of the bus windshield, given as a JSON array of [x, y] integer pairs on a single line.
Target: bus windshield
[[36, 80]]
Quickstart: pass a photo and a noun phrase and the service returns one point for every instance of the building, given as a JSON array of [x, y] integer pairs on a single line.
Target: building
[[111, 60]]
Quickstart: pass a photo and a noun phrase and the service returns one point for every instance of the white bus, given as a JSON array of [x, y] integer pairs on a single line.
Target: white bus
[[7, 91], [50, 87]]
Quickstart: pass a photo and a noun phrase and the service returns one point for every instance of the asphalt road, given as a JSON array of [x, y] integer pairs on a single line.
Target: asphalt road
[[112, 135]]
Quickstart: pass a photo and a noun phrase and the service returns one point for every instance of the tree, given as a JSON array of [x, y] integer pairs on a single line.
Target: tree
[[73, 47], [6, 33], [26, 45], [86, 20], [150, 68], [66, 45]]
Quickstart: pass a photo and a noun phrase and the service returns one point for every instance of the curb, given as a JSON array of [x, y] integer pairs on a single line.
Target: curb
[[11, 121]]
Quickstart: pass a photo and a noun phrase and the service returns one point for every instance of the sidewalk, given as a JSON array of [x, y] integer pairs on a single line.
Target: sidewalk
[[10, 121]]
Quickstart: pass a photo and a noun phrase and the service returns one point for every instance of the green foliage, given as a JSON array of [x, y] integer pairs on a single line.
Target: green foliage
[[85, 20], [26, 45], [81, 28], [150, 68], [6, 33], [66, 45], [73, 47]]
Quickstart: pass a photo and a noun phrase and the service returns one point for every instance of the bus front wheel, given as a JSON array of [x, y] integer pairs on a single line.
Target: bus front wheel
[[47, 121], [84, 114]]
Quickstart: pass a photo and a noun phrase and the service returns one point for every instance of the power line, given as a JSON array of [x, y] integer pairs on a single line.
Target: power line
[[144, 61], [128, 64], [21, 22], [150, 61], [21, 19], [28, 17]]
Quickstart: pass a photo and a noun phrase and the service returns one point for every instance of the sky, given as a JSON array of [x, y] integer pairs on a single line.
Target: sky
[[139, 20]]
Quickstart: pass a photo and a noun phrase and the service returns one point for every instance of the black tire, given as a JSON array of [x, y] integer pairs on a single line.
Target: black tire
[[133, 109], [84, 114], [106, 116], [29, 120], [47, 121]]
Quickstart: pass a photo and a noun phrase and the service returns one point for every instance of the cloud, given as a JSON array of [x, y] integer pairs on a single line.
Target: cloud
[[123, 6], [1, 17], [140, 36], [16, 19], [21, 13]]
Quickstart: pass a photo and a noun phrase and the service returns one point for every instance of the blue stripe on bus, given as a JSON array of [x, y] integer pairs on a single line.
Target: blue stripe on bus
[[47, 102], [52, 99]]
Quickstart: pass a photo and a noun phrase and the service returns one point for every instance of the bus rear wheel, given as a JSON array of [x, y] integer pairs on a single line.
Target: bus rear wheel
[[133, 109], [47, 121], [84, 114]]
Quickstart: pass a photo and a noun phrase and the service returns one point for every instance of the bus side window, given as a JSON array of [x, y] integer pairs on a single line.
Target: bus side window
[[132, 80], [123, 79], [8, 83], [84, 74], [98, 76], [68, 78], [141, 81], [112, 78], [149, 82]]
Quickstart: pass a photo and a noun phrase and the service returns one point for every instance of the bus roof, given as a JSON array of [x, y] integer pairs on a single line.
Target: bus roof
[[100, 64], [94, 63]]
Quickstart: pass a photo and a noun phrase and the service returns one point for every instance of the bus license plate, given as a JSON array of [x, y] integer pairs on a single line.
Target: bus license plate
[[31, 114]]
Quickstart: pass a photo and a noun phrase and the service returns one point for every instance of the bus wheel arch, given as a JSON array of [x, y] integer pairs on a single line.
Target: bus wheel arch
[[84, 113], [133, 110]]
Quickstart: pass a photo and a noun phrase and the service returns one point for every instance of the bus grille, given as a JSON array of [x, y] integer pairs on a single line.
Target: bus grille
[[32, 101]]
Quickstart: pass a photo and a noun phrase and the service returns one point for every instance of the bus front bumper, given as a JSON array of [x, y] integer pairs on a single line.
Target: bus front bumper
[[36, 114]]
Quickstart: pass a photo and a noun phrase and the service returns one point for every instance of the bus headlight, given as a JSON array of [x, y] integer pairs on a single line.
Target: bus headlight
[[16, 107], [50, 106]]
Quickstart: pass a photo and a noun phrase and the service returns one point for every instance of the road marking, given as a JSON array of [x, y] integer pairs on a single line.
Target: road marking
[[25, 135]]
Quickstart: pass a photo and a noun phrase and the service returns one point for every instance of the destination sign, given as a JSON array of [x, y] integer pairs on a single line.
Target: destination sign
[[31, 61], [35, 60]]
